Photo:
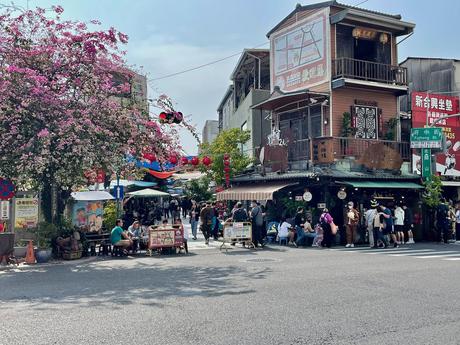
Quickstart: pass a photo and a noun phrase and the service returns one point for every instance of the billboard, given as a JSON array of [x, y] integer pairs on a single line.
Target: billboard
[[432, 107], [300, 53]]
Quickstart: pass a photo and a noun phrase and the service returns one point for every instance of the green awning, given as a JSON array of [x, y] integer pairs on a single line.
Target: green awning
[[382, 184]]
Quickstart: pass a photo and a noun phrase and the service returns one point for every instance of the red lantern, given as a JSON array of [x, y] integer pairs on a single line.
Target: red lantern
[[207, 161], [226, 157], [162, 116], [195, 161], [227, 163], [184, 160], [150, 157], [100, 176], [227, 169], [173, 160]]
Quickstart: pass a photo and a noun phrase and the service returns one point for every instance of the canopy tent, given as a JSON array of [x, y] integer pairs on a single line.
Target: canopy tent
[[252, 192], [91, 196], [382, 184], [147, 193], [127, 183]]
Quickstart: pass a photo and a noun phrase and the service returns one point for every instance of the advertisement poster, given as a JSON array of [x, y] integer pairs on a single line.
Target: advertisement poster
[[88, 215], [165, 238], [299, 53], [237, 230], [434, 107], [25, 213]]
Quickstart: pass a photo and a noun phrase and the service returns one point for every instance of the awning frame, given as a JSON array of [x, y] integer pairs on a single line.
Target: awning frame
[[252, 192]]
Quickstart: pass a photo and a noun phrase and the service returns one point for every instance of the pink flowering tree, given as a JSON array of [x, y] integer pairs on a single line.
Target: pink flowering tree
[[66, 105]]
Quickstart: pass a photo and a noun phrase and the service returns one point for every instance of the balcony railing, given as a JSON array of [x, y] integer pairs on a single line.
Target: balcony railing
[[328, 150], [369, 71]]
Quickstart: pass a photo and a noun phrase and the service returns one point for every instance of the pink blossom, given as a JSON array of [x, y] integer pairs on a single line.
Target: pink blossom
[[43, 133]]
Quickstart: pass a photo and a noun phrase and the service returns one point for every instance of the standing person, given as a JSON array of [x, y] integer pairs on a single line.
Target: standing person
[[388, 225], [351, 222], [379, 225], [443, 222], [215, 222], [194, 218], [206, 215], [174, 209], [409, 224], [369, 216], [184, 206], [326, 221], [257, 220], [399, 223], [166, 208], [239, 214]]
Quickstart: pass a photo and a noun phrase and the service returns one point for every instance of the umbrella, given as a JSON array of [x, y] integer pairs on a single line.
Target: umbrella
[[148, 193]]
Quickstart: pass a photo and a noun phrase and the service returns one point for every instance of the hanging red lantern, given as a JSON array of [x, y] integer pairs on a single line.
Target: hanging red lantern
[[162, 116], [226, 157], [227, 169], [227, 163], [206, 161], [100, 176], [150, 157], [184, 160], [195, 161], [173, 160]]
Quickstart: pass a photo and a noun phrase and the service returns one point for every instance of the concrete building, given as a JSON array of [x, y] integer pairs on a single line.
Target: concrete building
[[250, 86], [210, 131]]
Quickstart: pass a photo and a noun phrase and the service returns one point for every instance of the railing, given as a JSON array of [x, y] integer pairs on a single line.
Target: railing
[[327, 150], [369, 71]]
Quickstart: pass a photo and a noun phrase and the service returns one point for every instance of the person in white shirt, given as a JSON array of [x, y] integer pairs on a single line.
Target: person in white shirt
[[399, 224], [283, 229]]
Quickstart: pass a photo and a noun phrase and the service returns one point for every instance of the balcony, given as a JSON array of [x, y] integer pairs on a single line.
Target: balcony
[[367, 71], [328, 150]]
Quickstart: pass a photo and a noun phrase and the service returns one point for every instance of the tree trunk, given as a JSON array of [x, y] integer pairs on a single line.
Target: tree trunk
[[47, 201]]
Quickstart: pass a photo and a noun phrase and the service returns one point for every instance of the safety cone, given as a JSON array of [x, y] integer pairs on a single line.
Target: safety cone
[[30, 256]]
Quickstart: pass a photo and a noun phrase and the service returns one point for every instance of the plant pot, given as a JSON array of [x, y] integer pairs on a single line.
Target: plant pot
[[20, 252], [43, 255]]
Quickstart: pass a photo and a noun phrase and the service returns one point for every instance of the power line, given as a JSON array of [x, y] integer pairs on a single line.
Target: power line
[[204, 65]]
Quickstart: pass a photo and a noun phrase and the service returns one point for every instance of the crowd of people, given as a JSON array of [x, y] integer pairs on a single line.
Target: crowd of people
[[383, 226]]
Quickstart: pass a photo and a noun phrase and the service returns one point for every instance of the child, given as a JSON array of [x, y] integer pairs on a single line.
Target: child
[[178, 222]]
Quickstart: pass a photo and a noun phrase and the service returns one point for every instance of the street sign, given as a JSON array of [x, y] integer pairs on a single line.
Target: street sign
[[118, 192], [426, 138], [426, 164]]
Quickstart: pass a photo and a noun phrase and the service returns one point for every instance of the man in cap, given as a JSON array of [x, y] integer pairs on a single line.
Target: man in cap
[[369, 217], [351, 222]]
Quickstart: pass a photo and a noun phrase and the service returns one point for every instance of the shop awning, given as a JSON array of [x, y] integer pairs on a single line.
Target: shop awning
[[127, 183], [382, 184], [91, 196], [148, 193], [280, 99], [251, 192]]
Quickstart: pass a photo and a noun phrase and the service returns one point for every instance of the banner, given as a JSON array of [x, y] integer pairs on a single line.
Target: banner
[[432, 107], [88, 215], [165, 237], [25, 213], [299, 53]]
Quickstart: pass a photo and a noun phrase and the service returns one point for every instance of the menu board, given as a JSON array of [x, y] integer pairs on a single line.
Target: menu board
[[165, 237]]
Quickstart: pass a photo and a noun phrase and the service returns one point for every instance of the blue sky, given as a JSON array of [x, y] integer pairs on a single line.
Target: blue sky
[[168, 36]]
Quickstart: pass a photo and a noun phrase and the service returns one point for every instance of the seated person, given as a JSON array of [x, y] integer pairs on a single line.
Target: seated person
[[319, 236], [135, 229], [120, 238], [303, 234], [283, 229], [178, 222]]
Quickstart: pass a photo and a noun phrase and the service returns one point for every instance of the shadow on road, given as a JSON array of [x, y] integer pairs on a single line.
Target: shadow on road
[[107, 282]]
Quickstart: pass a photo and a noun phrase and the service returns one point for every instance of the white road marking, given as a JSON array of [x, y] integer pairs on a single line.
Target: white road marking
[[438, 255]]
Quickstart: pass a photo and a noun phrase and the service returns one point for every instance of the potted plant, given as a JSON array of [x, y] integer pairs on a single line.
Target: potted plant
[[20, 248], [44, 234]]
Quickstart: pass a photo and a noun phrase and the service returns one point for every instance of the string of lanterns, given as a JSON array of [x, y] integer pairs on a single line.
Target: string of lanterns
[[174, 160]]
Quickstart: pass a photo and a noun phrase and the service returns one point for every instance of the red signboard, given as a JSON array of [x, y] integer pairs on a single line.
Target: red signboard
[[435, 107], [165, 237]]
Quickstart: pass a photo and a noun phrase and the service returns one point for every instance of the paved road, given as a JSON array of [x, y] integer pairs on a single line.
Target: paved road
[[278, 295]]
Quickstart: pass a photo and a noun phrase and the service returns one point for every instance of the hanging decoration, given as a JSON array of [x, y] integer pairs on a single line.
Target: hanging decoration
[[173, 160], [195, 161], [171, 117], [150, 157], [206, 160], [184, 160]]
